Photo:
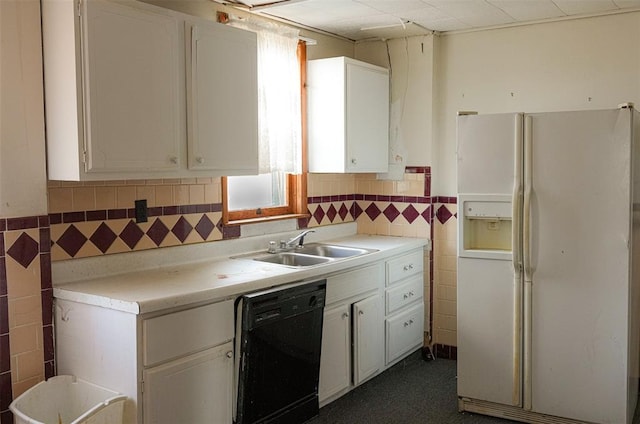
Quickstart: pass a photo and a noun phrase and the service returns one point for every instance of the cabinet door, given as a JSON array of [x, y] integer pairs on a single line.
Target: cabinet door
[[134, 100], [367, 334], [222, 99], [335, 358], [367, 119], [405, 332], [193, 389]]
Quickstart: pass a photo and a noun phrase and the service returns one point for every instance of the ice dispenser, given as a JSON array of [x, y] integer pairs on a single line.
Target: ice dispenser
[[485, 226]]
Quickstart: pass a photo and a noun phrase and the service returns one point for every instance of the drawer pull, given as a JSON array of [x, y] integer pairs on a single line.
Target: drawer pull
[[361, 312], [408, 295], [408, 267], [345, 315], [406, 324], [229, 354]]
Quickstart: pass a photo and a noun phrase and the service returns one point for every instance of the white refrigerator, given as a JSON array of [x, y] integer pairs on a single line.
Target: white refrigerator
[[548, 279]]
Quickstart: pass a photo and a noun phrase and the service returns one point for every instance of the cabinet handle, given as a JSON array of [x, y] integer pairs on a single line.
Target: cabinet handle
[[229, 354], [406, 296], [410, 293], [406, 324], [345, 315], [360, 312], [173, 160], [353, 161], [408, 267], [200, 160], [410, 321]]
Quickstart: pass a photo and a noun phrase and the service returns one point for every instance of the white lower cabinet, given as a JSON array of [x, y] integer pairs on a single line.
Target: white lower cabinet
[[335, 363], [404, 298], [367, 338], [352, 342], [404, 332], [174, 366], [374, 318], [194, 389]]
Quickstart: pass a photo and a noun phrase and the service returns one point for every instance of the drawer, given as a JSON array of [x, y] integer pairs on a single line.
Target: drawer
[[405, 293], [353, 283], [404, 332], [181, 333], [404, 266]]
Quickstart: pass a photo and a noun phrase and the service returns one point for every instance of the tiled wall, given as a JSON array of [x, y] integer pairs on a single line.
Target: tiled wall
[[400, 208], [97, 218], [26, 329], [444, 276]]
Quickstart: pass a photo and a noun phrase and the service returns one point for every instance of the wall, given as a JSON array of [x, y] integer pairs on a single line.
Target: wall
[[26, 333], [410, 64], [591, 63]]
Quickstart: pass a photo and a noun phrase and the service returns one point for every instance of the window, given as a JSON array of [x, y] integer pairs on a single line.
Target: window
[[280, 189]]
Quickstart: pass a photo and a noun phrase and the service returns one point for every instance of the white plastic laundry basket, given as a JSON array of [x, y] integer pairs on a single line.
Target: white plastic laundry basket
[[68, 400]]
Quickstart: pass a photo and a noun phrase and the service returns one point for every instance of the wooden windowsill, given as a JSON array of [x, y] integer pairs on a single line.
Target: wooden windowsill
[[267, 219]]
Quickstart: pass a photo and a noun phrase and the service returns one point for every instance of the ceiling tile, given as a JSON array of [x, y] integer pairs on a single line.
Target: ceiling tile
[[526, 10], [394, 7], [348, 17], [624, 4], [578, 7]]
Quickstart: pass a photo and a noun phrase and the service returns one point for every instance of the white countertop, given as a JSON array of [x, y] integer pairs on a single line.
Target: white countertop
[[176, 285]]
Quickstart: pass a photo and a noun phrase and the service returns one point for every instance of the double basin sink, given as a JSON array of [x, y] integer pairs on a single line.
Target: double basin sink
[[311, 254]]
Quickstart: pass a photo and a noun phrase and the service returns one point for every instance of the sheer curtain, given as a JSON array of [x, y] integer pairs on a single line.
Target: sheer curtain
[[279, 120]]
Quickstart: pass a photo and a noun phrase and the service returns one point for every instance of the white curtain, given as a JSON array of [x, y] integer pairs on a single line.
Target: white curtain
[[279, 119]]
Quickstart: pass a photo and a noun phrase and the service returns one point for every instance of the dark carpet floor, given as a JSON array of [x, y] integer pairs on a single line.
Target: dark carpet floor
[[411, 392]]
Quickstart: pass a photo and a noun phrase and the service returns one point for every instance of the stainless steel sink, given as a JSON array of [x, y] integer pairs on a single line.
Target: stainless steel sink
[[292, 259], [331, 251], [309, 255]]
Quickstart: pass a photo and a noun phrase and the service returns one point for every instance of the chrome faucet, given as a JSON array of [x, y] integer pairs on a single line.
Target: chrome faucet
[[299, 238], [289, 244]]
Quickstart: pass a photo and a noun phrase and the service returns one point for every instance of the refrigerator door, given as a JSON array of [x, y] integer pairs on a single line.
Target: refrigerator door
[[486, 355], [489, 289], [579, 264], [485, 153]]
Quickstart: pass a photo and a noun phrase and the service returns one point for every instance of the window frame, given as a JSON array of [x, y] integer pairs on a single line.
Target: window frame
[[296, 183]]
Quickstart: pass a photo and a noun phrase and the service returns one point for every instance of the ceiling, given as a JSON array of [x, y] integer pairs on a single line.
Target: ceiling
[[366, 19]]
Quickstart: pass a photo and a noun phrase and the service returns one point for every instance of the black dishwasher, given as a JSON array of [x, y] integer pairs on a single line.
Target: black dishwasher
[[278, 354]]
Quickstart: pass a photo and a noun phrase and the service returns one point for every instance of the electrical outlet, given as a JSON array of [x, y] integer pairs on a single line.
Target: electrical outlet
[[141, 210]]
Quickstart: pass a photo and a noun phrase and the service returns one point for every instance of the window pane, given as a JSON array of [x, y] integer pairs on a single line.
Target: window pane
[[257, 191]]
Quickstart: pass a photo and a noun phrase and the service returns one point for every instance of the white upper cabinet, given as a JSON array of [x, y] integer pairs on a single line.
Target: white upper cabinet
[[116, 94], [348, 116], [222, 111]]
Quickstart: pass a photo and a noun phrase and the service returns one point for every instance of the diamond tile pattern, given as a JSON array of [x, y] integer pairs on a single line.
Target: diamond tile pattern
[[443, 214], [343, 212], [372, 211], [204, 227], [182, 229], [103, 237], [71, 240], [331, 213], [24, 250], [157, 232], [391, 212], [131, 234], [318, 215], [410, 214]]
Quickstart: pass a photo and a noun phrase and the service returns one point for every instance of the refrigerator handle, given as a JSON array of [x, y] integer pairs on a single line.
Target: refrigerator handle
[[526, 256], [528, 189], [516, 200], [516, 249]]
